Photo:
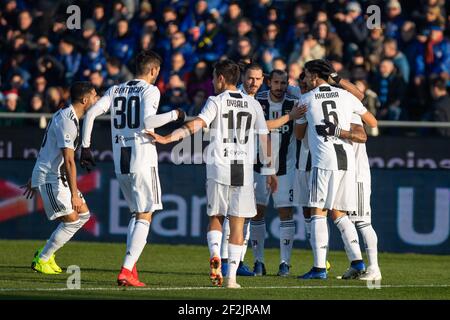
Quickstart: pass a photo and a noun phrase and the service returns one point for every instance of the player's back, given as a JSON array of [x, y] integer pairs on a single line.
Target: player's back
[[131, 102], [236, 119], [62, 130], [335, 105]]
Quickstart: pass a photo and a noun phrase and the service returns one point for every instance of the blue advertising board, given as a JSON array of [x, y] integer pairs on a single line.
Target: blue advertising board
[[411, 208]]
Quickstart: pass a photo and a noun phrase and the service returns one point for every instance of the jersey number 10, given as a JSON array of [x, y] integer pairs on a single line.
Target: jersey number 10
[[127, 112], [238, 125]]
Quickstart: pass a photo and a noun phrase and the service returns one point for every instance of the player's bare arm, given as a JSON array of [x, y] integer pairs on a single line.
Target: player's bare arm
[[300, 130], [296, 113], [355, 134], [71, 171], [369, 119], [189, 128], [266, 145]]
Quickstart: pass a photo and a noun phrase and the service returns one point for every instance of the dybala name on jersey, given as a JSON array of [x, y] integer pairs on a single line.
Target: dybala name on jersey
[[237, 103]]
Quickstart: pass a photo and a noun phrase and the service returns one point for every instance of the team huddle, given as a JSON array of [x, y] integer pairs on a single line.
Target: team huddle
[[303, 146]]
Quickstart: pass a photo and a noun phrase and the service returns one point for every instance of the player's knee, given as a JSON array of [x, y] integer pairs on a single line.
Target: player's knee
[[84, 217], [285, 214]]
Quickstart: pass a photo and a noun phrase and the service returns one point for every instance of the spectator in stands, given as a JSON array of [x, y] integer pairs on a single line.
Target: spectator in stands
[[40, 85], [352, 27], [358, 67], [200, 79], [390, 89], [433, 57], [198, 101], [395, 19], [294, 71], [390, 50], [329, 40], [177, 66], [94, 59], [231, 19], [122, 44], [52, 69], [338, 65], [37, 105], [116, 72], [370, 101], [54, 99], [279, 64], [97, 79], [244, 50], [69, 58], [100, 20], [178, 44], [12, 104], [212, 44], [177, 98], [312, 49], [440, 107], [271, 41], [373, 48]]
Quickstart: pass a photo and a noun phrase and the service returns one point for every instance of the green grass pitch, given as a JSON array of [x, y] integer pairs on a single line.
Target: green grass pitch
[[181, 272]]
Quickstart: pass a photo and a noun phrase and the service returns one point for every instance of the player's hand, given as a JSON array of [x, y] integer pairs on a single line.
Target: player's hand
[[181, 116], [87, 159], [328, 129], [156, 138], [77, 202], [272, 183], [29, 191], [297, 112]]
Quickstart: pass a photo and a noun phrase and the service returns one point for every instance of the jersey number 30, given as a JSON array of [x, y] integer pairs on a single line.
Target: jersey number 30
[[127, 112]]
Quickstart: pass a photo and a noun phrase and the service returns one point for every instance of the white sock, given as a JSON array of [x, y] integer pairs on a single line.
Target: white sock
[[370, 241], [287, 233], [350, 238], [225, 238], [257, 237], [233, 260], [319, 240], [137, 243], [130, 230], [246, 238], [308, 229], [214, 238], [63, 233]]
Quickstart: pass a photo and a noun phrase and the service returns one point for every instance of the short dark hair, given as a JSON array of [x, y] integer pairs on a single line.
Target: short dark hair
[[229, 70], [253, 66], [277, 72], [146, 60], [79, 89], [439, 83], [314, 66]]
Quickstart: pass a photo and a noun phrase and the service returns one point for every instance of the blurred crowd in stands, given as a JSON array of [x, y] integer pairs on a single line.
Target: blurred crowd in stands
[[403, 65]]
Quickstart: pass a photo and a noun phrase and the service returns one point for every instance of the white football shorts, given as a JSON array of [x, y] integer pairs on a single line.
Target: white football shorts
[[301, 188], [363, 211], [332, 189], [142, 190], [57, 199], [284, 197], [229, 200]]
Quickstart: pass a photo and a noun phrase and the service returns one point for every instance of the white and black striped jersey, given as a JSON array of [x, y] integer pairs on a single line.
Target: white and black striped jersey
[[62, 132], [234, 119], [130, 103], [338, 106], [362, 160], [284, 143]]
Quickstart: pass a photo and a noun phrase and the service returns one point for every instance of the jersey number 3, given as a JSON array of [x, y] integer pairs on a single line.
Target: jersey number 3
[[127, 112]]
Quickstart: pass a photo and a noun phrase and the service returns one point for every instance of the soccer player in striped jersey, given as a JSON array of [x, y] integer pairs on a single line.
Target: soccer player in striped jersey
[[277, 103], [252, 81], [234, 119], [363, 215], [55, 177], [331, 184], [134, 105]]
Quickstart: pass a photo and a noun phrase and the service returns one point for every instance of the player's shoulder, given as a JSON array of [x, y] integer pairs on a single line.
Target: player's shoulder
[[263, 95], [290, 97]]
